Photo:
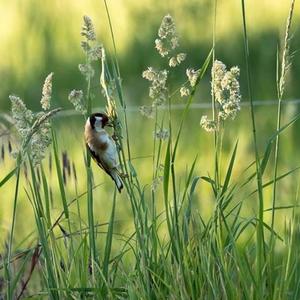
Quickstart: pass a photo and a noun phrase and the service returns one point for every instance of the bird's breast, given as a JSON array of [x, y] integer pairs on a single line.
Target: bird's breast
[[97, 140]]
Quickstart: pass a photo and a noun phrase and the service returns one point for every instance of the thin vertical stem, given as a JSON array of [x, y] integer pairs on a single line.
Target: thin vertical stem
[[260, 228], [7, 267], [280, 92]]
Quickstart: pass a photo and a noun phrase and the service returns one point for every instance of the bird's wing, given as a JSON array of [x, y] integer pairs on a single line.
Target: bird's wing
[[98, 160]]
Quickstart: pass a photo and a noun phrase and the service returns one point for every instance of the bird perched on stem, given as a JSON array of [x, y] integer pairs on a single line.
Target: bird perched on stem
[[102, 147]]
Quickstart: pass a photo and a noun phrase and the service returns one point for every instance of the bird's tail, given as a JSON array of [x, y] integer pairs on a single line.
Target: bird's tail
[[117, 179]]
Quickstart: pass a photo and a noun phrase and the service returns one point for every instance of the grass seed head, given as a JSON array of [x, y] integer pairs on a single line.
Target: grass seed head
[[226, 89], [88, 30], [47, 92], [208, 125], [168, 39], [162, 134], [76, 98], [22, 115], [184, 91]]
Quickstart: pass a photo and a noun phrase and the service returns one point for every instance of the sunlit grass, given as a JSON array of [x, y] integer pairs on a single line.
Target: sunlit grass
[[203, 232]]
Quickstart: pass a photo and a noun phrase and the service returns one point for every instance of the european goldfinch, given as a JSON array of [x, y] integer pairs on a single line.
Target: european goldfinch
[[102, 147]]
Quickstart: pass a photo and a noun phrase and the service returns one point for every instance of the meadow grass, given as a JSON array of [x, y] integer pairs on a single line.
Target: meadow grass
[[172, 251]]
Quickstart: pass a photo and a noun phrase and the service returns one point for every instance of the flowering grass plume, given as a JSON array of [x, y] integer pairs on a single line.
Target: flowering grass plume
[[88, 30], [162, 134], [90, 47], [34, 129], [167, 37], [225, 88], [158, 90], [192, 76], [47, 92], [184, 91], [166, 44], [22, 116], [76, 98]]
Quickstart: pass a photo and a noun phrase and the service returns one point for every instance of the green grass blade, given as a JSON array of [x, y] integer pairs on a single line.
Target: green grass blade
[[229, 170], [8, 176], [59, 175]]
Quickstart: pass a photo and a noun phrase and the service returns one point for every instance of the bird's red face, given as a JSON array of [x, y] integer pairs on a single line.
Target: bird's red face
[[99, 120]]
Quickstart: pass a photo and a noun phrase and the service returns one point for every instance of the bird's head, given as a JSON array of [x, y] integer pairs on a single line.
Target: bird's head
[[98, 121]]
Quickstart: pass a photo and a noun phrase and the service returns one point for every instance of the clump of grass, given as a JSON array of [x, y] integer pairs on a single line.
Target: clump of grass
[[173, 253]]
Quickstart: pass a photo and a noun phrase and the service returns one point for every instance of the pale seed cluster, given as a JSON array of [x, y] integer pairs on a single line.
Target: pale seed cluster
[[167, 36], [177, 60], [76, 98], [22, 116], [88, 30], [35, 130], [162, 134], [159, 177], [147, 111], [93, 51], [225, 88], [192, 76], [208, 125], [47, 92], [184, 91], [158, 90]]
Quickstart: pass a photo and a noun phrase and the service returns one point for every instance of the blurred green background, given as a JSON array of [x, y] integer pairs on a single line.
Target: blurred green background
[[39, 37]]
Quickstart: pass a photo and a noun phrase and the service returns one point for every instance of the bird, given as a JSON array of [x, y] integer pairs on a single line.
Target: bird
[[102, 147]]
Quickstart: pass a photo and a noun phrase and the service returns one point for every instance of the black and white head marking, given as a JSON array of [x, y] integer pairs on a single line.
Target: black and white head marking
[[98, 120]]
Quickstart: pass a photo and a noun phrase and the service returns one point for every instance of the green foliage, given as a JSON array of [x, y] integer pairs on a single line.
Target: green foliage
[[172, 250]]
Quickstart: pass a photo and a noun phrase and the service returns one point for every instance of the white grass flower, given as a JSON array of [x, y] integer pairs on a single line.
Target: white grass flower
[[47, 92], [34, 129], [149, 74], [162, 134], [173, 62], [147, 111], [192, 76], [168, 39], [159, 177], [180, 57], [158, 90], [161, 47], [208, 125], [39, 143], [184, 91], [22, 115], [76, 98], [86, 70], [88, 30], [95, 53], [226, 89]]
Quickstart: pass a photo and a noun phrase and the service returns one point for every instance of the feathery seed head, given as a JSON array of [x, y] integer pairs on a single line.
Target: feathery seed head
[[226, 89], [76, 98], [184, 91], [173, 62], [180, 57], [22, 115], [95, 53], [47, 92], [158, 90], [86, 70], [192, 76], [147, 111], [208, 125], [168, 39], [88, 30], [162, 134]]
